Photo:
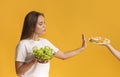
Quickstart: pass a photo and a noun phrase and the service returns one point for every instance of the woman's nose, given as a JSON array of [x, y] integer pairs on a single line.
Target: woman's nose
[[44, 26]]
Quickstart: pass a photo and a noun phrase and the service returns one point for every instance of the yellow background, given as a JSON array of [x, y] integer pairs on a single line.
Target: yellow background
[[66, 20]]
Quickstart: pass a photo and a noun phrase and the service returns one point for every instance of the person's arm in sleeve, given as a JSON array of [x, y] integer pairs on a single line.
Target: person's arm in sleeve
[[21, 66], [69, 54]]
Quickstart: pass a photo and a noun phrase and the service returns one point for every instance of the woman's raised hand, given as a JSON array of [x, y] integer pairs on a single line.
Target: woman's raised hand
[[84, 45]]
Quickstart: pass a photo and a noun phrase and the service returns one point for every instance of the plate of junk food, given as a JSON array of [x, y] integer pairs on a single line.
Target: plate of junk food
[[99, 40]]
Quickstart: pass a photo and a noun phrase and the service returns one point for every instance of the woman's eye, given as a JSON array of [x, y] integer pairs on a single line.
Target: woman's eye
[[40, 24]]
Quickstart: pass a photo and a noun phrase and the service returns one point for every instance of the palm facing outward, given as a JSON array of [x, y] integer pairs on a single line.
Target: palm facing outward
[[83, 42]]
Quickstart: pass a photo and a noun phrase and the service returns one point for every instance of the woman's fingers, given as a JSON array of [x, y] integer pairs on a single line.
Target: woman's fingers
[[83, 41]]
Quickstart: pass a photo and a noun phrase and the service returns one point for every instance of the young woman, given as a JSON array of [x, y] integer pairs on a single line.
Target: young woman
[[26, 64]]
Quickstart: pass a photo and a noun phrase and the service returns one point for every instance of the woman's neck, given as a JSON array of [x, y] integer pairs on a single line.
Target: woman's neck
[[35, 37]]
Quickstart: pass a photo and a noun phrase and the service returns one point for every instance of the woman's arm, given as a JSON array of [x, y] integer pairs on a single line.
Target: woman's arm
[[22, 67], [115, 52], [66, 55]]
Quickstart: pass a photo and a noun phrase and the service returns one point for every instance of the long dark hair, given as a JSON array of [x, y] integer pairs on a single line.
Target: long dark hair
[[30, 24]]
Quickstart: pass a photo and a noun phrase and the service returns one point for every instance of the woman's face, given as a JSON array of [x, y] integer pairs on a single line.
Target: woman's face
[[40, 26]]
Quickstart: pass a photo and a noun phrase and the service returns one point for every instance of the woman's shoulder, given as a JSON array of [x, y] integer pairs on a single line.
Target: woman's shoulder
[[24, 41], [43, 39]]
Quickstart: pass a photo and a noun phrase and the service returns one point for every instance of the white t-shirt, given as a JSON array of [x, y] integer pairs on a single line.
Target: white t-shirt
[[24, 53]]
